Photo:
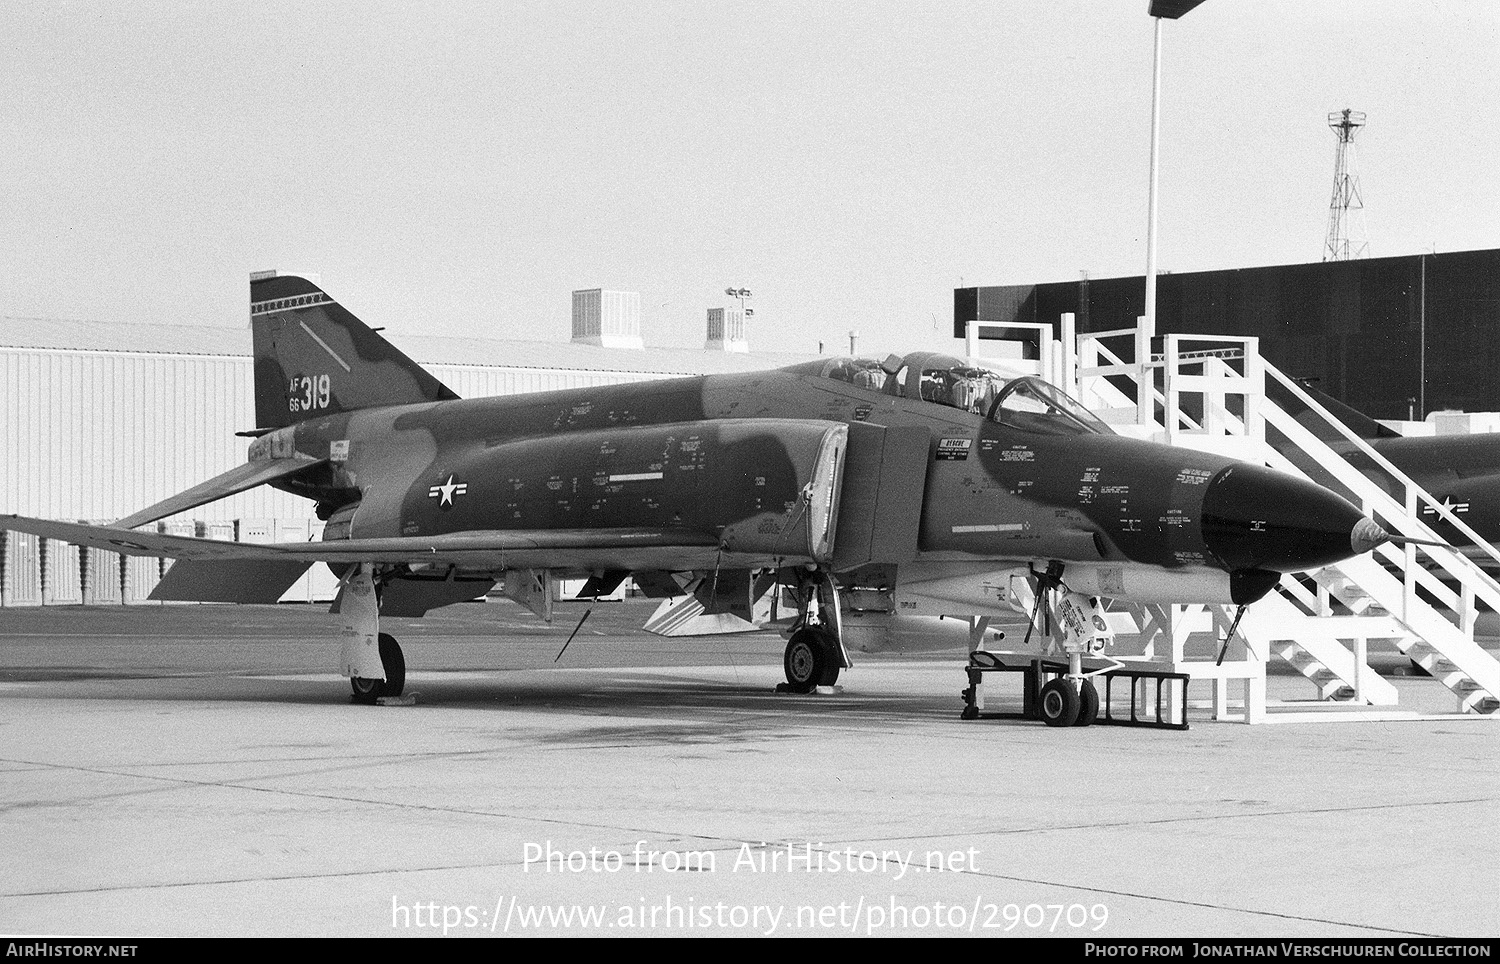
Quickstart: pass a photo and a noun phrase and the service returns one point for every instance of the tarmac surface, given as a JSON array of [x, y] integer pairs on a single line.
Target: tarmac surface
[[199, 770]]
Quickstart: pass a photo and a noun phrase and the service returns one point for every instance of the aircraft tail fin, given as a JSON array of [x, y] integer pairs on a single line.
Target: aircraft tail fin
[[1357, 422], [313, 357]]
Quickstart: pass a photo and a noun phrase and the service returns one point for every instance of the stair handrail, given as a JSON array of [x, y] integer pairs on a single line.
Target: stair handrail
[[1375, 500], [1091, 344], [1390, 469]]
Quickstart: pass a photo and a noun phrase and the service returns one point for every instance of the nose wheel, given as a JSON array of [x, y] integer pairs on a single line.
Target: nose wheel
[[1059, 703], [1068, 702], [1088, 704]]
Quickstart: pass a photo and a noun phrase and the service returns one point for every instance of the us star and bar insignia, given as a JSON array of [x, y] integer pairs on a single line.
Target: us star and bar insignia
[[446, 492]]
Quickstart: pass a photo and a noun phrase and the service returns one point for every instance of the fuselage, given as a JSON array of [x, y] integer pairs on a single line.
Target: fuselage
[[1460, 471], [668, 454]]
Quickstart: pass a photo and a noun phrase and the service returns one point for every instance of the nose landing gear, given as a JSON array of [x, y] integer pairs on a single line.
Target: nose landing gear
[[1078, 625]]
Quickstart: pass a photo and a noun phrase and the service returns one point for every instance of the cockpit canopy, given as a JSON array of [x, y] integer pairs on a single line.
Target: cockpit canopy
[[1023, 402]]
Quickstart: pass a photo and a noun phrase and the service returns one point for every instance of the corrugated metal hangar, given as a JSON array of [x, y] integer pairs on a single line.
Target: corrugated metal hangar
[[98, 420], [1389, 336]]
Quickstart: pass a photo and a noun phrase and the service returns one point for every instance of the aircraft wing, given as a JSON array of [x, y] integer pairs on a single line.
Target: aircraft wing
[[617, 548], [236, 480]]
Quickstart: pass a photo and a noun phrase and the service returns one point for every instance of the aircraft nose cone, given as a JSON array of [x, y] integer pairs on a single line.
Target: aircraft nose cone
[[1367, 535], [1257, 518]]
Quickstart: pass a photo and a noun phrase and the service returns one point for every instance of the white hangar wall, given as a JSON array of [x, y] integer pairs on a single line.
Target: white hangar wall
[[98, 420], [85, 435]]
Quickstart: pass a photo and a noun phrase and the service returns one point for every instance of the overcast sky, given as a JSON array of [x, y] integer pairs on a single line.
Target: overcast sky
[[459, 168]]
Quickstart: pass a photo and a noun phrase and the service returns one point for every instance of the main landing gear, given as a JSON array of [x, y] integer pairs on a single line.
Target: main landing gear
[[371, 659], [814, 654], [812, 659], [367, 690]]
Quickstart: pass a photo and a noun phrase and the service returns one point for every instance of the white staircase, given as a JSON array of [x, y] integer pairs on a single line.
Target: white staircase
[[1422, 600]]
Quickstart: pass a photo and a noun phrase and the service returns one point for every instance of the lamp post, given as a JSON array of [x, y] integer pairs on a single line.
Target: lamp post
[[1159, 10]]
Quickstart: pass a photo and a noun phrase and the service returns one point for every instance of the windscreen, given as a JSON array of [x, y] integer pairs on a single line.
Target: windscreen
[[1032, 405]]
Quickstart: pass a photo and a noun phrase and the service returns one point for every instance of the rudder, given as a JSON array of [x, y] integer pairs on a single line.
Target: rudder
[[313, 357]]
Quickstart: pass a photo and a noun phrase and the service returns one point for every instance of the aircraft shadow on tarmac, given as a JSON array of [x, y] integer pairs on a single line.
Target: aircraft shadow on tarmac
[[721, 707]]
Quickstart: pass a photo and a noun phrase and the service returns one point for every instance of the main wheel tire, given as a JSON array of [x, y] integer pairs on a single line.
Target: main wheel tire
[[1088, 704], [811, 660], [393, 662], [833, 660], [366, 690], [1060, 703]]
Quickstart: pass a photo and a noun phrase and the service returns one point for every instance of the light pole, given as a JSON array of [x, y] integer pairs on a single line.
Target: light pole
[[1159, 10]]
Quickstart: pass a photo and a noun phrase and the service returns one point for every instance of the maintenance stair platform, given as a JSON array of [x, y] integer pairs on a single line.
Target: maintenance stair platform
[[1211, 393]]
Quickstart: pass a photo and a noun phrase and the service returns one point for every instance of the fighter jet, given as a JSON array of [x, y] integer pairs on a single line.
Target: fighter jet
[[1462, 471], [922, 483]]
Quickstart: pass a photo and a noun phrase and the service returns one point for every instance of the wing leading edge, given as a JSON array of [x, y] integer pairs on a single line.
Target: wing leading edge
[[481, 549]]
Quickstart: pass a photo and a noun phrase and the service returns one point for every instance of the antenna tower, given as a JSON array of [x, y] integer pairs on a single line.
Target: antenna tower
[[1347, 238]]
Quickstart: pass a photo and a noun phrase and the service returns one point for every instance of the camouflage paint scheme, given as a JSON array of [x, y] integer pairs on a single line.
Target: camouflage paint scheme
[[722, 473], [715, 455]]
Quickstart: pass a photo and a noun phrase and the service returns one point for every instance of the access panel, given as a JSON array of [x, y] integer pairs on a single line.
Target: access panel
[[880, 506]]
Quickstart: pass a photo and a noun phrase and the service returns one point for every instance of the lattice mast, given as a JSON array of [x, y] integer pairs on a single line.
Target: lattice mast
[[1347, 237]]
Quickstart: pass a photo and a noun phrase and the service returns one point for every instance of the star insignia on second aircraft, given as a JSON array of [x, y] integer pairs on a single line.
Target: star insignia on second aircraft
[[1449, 503]]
